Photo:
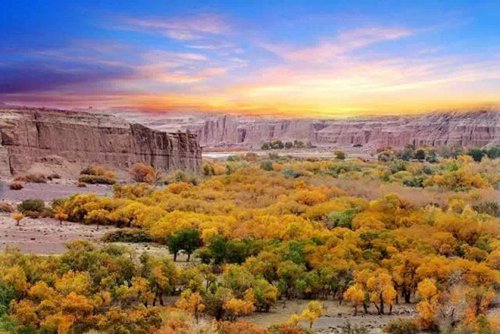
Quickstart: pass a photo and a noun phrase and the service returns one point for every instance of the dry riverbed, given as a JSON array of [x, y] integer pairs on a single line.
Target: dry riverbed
[[45, 236]]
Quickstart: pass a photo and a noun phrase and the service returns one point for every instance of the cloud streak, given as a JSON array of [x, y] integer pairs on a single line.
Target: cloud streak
[[188, 28], [329, 49]]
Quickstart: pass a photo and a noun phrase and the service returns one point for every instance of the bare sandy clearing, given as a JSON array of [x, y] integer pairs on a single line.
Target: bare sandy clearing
[[45, 236], [334, 318], [49, 191]]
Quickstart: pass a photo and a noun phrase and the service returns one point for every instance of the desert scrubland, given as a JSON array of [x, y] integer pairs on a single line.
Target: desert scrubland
[[260, 244]]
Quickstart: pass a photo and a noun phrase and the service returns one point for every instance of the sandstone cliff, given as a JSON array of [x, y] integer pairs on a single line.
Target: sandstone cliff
[[477, 129], [31, 136]]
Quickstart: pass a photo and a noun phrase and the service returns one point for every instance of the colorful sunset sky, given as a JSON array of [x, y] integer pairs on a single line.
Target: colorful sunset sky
[[297, 58]]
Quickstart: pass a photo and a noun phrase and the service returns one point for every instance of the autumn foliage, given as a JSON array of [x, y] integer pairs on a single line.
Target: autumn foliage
[[257, 233]]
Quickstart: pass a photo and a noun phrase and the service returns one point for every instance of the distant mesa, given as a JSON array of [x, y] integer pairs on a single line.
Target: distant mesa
[[475, 128], [31, 136]]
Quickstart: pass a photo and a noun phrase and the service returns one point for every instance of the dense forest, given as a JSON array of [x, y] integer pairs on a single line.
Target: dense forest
[[253, 231]]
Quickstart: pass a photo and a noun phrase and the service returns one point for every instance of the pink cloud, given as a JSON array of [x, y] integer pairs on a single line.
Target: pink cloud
[[186, 28], [345, 42]]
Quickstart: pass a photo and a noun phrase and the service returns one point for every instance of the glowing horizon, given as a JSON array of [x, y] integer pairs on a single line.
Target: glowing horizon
[[291, 58]]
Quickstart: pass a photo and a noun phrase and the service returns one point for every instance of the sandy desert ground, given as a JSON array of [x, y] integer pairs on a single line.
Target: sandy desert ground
[[336, 316], [49, 191], [45, 236]]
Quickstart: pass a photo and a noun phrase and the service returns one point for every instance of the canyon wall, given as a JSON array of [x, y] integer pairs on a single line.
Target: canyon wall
[[478, 129], [30, 136]]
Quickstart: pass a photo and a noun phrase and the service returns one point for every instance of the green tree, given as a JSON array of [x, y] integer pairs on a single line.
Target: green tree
[[420, 155], [186, 239], [476, 154], [493, 152]]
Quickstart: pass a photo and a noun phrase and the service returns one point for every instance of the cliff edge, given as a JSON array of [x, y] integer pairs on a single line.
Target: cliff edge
[[467, 129], [29, 136]]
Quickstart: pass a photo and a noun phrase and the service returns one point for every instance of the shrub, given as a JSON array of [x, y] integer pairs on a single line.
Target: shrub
[[144, 173], [267, 165], [414, 181], [287, 329], [432, 157], [493, 152], [420, 155], [81, 185], [53, 176], [208, 170], [385, 156], [58, 202], [489, 207], [96, 175], [401, 326], [239, 327], [127, 235], [16, 186], [95, 179], [342, 218], [290, 173], [6, 207], [34, 208], [476, 154], [340, 155], [31, 205], [32, 178], [348, 328], [251, 157], [181, 176]]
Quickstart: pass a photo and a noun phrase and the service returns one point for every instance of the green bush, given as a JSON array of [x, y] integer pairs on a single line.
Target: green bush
[[290, 173], [493, 152], [34, 208], [348, 328], [341, 218], [181, 176], [476, 154], [95, 179], [266, 165], [414, 181], [340, 155], [401, 326], [420, 155], [127, 235], [31, 205]]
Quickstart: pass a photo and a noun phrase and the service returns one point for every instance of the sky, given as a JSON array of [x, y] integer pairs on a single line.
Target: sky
[[293, 58]]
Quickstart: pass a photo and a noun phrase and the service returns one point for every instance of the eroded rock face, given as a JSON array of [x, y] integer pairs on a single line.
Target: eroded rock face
[[31, 136], [476, 129]]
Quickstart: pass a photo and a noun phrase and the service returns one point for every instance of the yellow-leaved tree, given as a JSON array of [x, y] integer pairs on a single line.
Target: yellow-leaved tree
[[312, 312]]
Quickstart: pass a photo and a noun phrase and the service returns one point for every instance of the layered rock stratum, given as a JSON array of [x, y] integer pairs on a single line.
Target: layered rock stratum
[[29, 136], [467, 129]]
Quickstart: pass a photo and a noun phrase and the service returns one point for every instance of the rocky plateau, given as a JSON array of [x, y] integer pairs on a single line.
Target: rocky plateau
[[467, 129], [31, 136]]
